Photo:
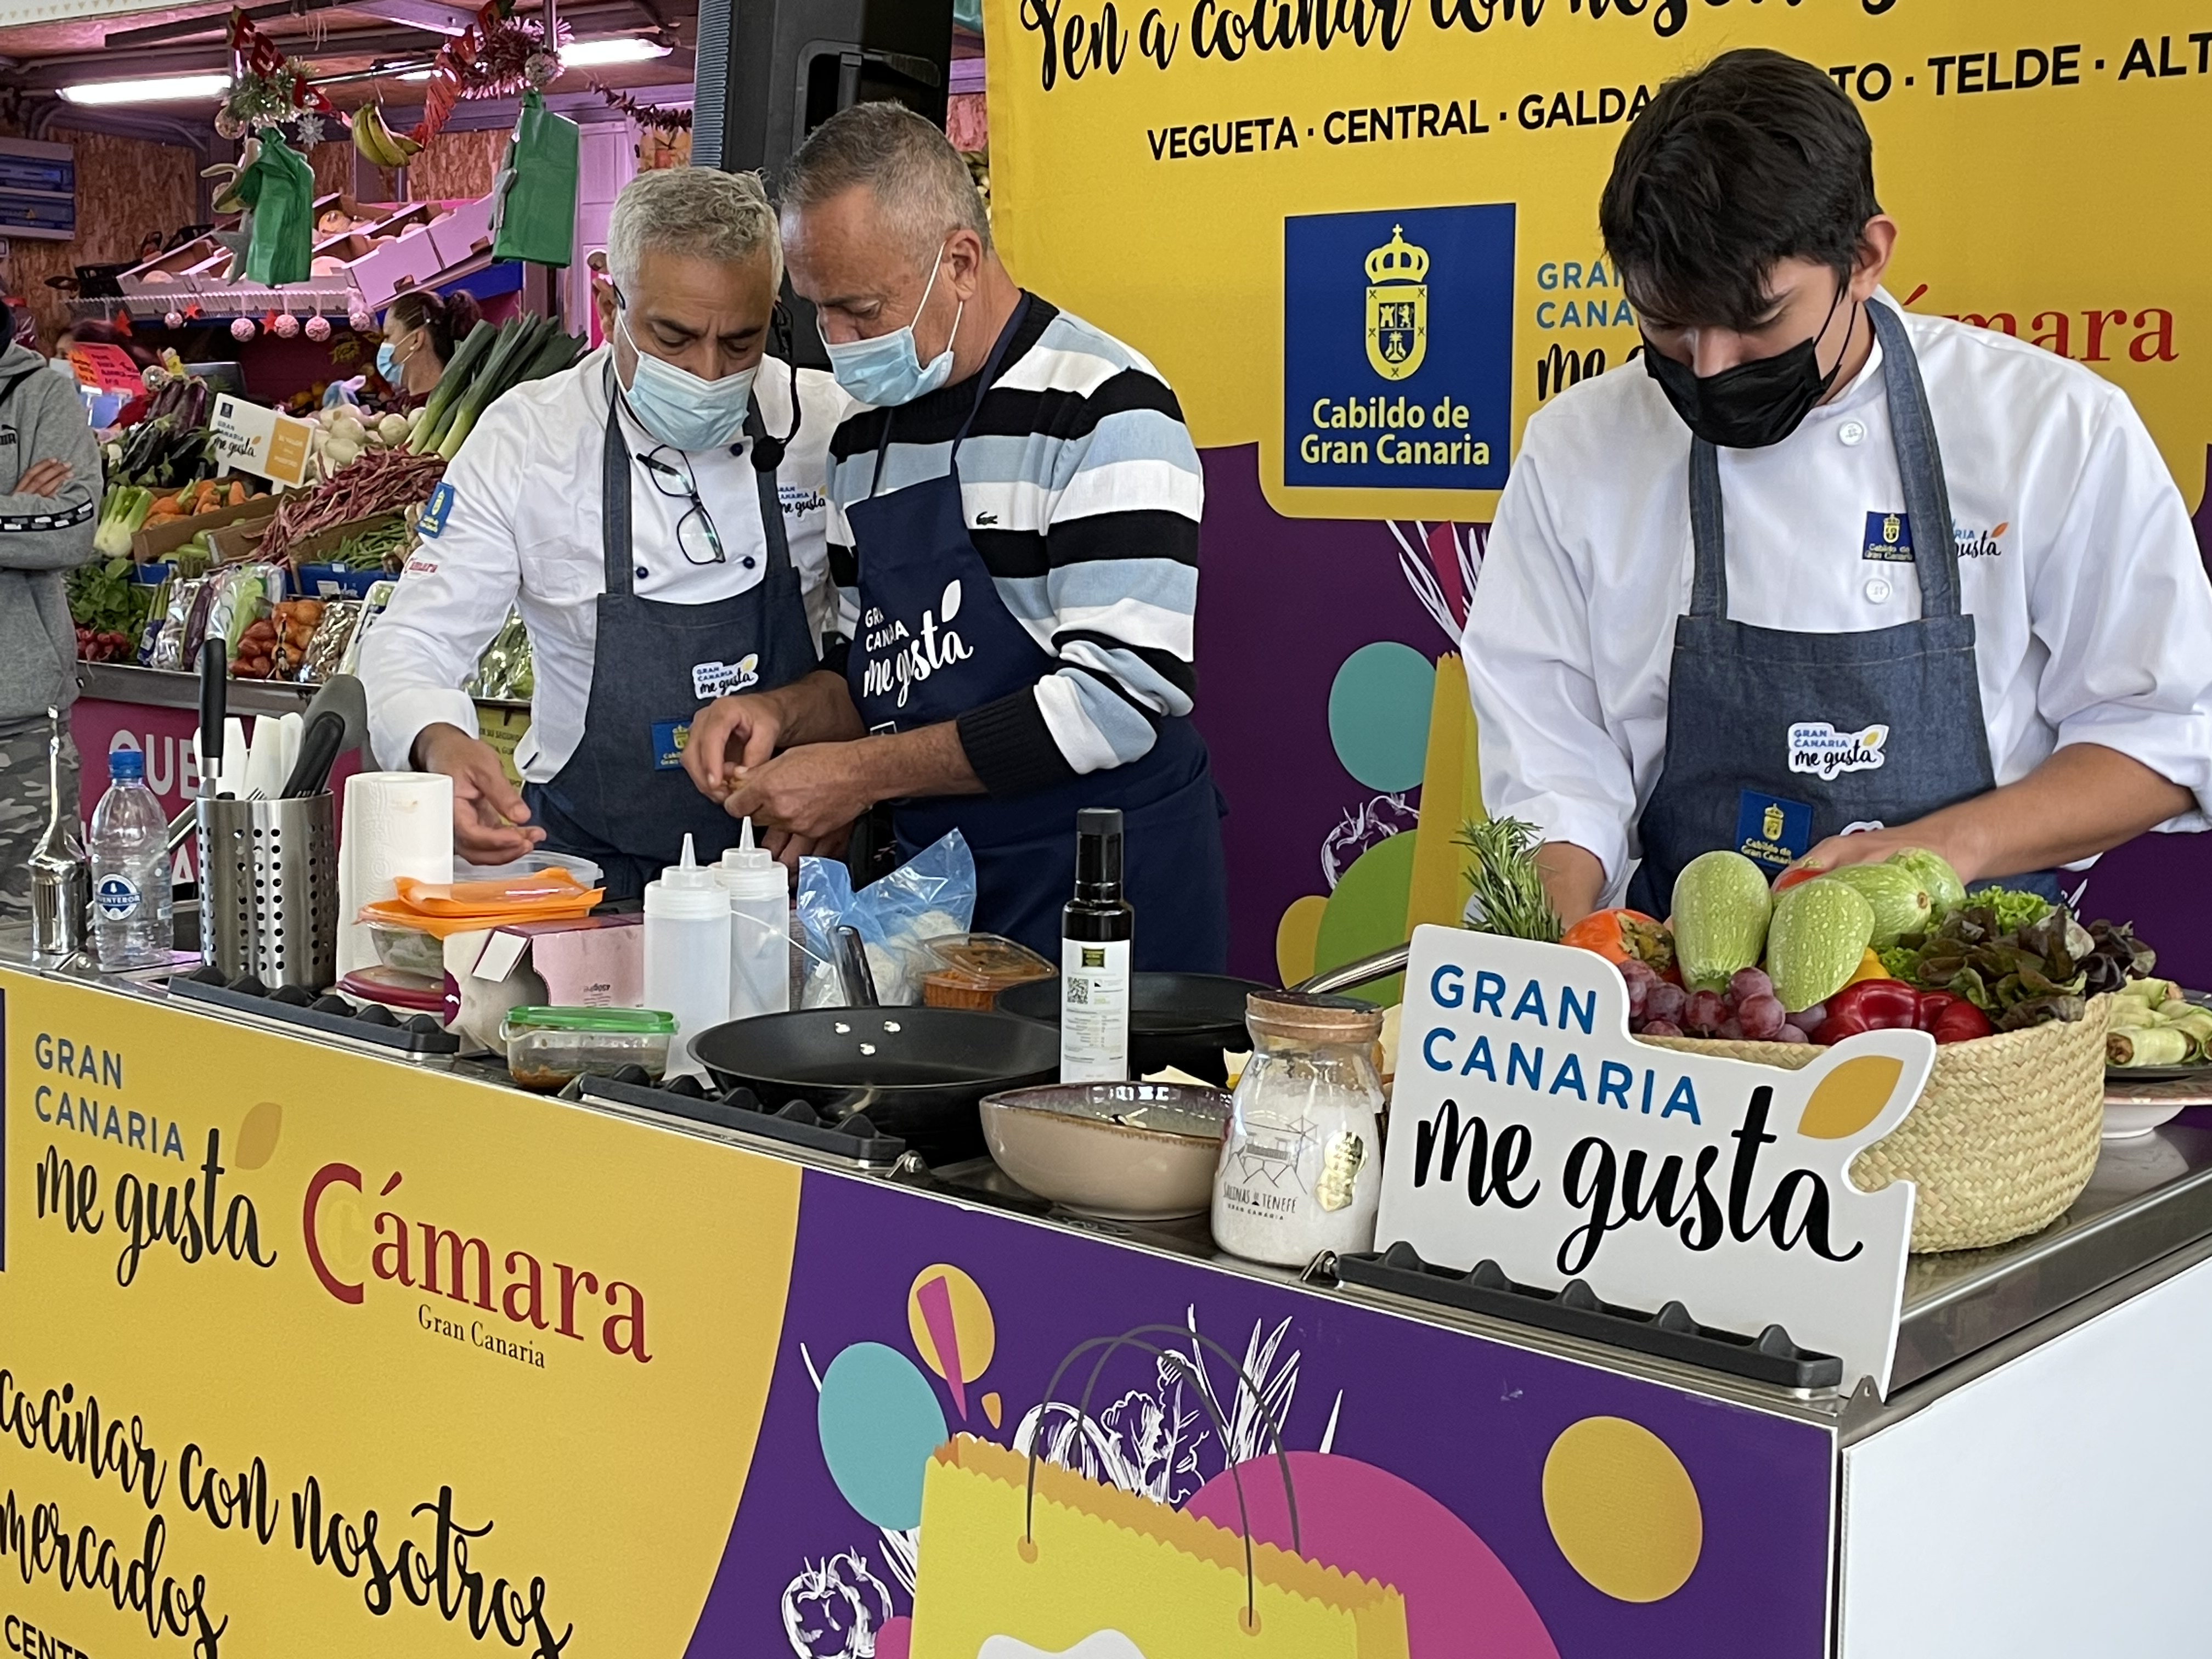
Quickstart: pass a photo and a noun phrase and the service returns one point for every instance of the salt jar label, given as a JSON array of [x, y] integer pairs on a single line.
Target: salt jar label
[[1530, 1129]]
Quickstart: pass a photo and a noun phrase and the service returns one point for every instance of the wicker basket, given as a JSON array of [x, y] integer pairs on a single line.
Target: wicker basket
[[2005, 1135]]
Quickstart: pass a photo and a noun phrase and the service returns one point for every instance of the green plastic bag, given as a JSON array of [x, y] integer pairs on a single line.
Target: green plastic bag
[[279, 188], [534, 216]]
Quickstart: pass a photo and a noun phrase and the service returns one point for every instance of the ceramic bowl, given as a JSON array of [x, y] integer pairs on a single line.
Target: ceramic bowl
[[1122, 1151]]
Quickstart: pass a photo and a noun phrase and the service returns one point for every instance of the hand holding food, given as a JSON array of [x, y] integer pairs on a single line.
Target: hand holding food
[[729, 736]]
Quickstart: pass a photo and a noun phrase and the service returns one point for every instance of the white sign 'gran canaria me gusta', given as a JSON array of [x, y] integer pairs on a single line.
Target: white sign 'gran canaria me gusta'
[[1530, 1129]]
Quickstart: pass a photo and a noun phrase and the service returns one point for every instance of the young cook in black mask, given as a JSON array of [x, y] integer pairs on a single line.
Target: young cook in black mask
[[1826, 579]]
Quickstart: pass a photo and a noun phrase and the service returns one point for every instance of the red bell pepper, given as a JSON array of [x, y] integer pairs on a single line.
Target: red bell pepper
[[1952, 1020], [1871, 1004]]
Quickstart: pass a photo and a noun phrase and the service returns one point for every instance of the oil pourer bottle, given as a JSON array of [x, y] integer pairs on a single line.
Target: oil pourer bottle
[[760, 927], [1095, 932], [687, 954]]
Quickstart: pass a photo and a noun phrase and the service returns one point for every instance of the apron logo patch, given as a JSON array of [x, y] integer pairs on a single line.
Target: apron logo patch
[[669, 738], [900, 658], [1817, 748], [432, 524], [1771, 830], [710, 680], [1888, 538]]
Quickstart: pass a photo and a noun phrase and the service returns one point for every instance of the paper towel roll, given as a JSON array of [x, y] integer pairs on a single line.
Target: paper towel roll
[[395, 823]]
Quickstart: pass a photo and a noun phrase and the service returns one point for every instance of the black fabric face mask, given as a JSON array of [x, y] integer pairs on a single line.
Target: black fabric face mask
[[1754, 404]]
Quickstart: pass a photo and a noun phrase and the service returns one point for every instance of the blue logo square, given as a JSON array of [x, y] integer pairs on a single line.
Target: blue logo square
[[1397, 348], [1888, 538], [432, 524], [1770, 831], [669, 738]]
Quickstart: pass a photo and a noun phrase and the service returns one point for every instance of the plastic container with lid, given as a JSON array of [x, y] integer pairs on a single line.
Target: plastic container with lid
[[546, 1047], [1301, 1168], [687, 953], [760, 927], [409, 950], [968, 970]]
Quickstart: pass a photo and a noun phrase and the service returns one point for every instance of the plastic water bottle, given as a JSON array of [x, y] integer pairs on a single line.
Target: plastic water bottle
[[687, 954], [760, 928], [131, 910]]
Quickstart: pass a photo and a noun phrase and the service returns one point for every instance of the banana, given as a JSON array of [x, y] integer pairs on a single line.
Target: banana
[[377, 142]]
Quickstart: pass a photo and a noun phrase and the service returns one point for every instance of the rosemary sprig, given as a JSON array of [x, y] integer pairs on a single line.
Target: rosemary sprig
[[1509, 894]]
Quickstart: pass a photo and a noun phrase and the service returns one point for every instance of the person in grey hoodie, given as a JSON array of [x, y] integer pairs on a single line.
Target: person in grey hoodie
[[50, 490]]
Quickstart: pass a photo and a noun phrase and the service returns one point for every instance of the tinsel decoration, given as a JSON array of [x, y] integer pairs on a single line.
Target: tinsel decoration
[[645, 115], [241, 330], [360, 319], [172, 319], [270, 89], [284, 325], [318, 328], [498, 55]]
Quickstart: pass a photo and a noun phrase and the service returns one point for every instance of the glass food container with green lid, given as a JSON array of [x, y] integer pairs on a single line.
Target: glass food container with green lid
[[546, 1047]]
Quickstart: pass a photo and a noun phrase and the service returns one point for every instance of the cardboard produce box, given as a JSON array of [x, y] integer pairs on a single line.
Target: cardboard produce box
[[151, 546]]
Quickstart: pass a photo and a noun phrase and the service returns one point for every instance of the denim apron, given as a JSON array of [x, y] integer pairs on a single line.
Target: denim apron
[[623, 800], [1776, 740], [935, 641]]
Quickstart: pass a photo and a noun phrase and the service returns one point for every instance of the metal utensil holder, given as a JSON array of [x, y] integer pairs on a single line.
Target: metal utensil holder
[[269, 888]]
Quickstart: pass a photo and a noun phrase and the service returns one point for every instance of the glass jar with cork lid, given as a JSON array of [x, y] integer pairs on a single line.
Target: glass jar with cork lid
[[1301, 1168]]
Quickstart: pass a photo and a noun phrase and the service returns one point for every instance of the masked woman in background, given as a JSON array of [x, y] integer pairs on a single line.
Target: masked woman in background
[[422, 330]]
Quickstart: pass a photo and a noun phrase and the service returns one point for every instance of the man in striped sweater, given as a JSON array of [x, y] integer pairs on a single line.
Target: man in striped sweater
[[1014, 525]]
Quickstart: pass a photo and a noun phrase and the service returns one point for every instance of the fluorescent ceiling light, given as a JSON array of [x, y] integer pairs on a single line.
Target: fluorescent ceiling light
[[622, 48], [158, 89], [413, 74]]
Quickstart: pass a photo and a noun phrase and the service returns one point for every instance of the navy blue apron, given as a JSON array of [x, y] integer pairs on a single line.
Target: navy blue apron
[[920, 572], [624, 800], [1777, 741]]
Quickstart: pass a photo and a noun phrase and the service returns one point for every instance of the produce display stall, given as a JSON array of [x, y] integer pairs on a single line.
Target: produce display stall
[[337, 1341]]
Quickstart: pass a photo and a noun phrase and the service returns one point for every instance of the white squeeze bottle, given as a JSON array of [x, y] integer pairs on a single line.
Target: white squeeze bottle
[[687, 954], [760, 927]]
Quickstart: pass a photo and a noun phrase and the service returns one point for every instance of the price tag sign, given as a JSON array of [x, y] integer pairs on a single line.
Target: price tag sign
[[1529, 1128], [259, 440], [106, 368]]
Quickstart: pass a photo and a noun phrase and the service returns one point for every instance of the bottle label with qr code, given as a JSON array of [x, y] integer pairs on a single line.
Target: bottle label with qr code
[[1094, 1011]]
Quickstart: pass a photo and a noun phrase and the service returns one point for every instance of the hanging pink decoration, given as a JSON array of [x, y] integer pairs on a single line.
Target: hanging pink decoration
[[242, 328], [284, 325], [360, 319], [318, 328], [172, 319]]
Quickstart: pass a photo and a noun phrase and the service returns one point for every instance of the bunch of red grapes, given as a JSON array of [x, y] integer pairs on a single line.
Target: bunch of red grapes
[[1748, 1010]]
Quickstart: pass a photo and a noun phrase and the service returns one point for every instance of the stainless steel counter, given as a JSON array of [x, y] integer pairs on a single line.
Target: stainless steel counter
[[163, 688], [2146, 1215]]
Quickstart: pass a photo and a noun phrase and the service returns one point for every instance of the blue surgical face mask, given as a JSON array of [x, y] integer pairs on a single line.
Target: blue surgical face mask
[[679, 408], [888, 370], [387, 365]]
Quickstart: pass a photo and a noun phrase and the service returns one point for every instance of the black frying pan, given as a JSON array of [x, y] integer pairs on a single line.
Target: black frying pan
[[917, 1073], [1183, 1020]]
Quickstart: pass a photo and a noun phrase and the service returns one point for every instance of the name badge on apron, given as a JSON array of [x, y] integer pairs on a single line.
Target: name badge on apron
[[1772, 831], [669, 738]]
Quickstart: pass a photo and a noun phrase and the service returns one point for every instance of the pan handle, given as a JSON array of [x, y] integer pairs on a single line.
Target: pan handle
[[853, 969], [1352, 974]]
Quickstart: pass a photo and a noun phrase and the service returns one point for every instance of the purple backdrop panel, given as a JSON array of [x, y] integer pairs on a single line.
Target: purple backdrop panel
[[1419, 1456]]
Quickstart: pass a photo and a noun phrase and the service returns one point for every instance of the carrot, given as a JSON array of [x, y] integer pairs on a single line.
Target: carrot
[[238, 496]]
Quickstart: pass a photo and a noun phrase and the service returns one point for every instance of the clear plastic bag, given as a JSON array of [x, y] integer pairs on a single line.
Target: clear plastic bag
[[931, 895]]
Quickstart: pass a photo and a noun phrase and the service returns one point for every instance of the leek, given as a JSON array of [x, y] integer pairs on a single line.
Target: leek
[[451, 384], [489, 382]]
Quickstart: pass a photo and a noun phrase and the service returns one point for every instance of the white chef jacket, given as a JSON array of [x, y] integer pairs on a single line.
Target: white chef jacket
[[521, 528], [2093, 616]]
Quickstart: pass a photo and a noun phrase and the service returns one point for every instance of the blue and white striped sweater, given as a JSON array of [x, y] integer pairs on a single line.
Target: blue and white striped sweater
[[1083, 494]]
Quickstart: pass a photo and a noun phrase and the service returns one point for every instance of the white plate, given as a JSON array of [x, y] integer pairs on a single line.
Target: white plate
[[2126, 1119]]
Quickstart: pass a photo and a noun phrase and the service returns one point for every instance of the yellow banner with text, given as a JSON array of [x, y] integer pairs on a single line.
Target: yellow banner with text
[[295, 1361], [1362, 234]]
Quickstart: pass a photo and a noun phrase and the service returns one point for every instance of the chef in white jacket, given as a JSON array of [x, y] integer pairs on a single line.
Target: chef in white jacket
[[659, 560], [1816, 579]]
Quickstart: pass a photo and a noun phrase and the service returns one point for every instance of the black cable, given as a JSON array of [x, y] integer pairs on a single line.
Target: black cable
[[769, 450]]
